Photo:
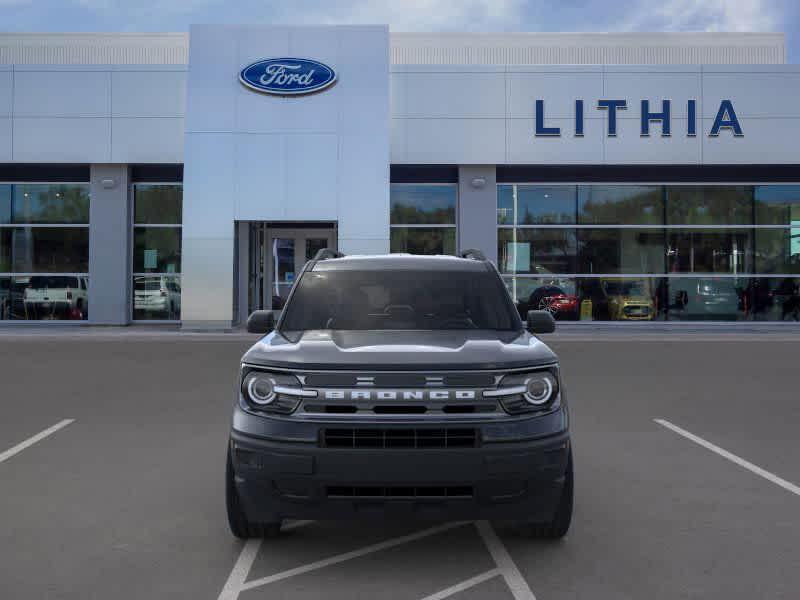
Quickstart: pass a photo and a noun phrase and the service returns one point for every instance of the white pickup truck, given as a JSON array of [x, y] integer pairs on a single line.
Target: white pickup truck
[[56, 297]]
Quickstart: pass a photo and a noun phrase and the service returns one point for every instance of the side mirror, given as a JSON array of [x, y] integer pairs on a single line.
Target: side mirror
[[262, 321], [541, 321]]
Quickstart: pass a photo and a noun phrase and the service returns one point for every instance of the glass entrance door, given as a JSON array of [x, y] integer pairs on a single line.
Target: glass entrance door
[[279, 258]]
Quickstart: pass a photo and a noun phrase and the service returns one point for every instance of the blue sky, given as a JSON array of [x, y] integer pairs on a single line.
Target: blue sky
[[414, 15]]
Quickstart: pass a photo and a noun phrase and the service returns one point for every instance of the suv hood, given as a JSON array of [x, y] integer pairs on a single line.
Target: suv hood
[[401, 350]]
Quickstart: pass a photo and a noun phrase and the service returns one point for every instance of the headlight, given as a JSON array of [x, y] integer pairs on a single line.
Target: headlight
[[539, 389], [260, 388], [265, 391], [534, 391]]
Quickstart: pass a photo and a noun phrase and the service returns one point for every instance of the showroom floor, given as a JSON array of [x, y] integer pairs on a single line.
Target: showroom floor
[[111, 480]]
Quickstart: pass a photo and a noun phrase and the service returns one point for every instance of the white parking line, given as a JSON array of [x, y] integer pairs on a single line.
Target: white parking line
[[326, 562], [33, 439], [244, 563], [464, 585], [731, 457], [505, 564]]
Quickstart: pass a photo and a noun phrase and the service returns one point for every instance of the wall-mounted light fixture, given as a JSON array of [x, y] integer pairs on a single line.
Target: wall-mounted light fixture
[[109, 183], [478, 182]]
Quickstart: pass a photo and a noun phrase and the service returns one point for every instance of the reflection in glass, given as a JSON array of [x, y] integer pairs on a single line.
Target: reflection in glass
[[622, 298], [158, 204], [424, 240], [44, 249], [709, 205], [695, 298], [44, 297], [710, 251], [44, 203], [538, 251], [537, 204], [156, 297], [555, 295], [416, 204], [774, 299], [777, 205], [620, 204], [157, 249], [283, 258], [314, 245], [621, 250], [778, 250]]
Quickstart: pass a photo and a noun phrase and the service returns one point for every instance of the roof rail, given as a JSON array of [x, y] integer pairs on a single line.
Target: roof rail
[[326, 253], [473, 254]]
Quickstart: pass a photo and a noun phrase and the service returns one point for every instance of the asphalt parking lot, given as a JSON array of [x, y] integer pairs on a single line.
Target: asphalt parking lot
[[686, 459]]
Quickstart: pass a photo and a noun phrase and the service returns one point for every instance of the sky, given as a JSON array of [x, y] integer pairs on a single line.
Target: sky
[[414, 15]]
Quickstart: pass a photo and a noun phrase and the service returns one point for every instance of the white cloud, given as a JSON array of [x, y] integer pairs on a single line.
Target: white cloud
[[416, 15], [705, 15]]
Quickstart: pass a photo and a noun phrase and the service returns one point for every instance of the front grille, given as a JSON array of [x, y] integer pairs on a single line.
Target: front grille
[[399, 380], [399, 492], [364, 437]]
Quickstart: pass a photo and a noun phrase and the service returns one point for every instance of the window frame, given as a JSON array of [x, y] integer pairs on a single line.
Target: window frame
[[133, 274], [752, 226], [83, 277], [454, 225]]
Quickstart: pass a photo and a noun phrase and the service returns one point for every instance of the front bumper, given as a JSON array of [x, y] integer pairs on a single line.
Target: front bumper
[[517, 480]]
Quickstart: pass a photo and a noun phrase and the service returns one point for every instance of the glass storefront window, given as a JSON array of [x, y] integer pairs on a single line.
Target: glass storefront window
[[774, 299], [778, 250], [424, 240], [157, 214], [537, 251], [44, 250], [36, 204], [710, 251], [157, 250], [431, 205], [777, 205], [158, 204], [156, 297], [538, 204], [708, 299], [709, 205], [423, 204], [620, 205], [620, 251]]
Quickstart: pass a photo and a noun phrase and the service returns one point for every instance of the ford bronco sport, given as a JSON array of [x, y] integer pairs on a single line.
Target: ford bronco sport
[[399, 386]]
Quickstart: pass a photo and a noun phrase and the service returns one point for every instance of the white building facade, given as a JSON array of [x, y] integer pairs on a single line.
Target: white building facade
[[631, 177]]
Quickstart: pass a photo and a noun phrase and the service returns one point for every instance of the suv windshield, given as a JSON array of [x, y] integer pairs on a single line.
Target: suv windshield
[[409, 299]]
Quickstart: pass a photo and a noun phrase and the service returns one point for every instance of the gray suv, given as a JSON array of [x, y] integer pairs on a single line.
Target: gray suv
[[399, 386]]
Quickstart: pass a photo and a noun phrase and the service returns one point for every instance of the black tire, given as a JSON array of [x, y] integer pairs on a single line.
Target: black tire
[[558, 527], [239, 525]]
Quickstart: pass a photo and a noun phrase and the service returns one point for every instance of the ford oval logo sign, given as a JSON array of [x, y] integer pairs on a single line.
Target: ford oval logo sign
[[287, 76]]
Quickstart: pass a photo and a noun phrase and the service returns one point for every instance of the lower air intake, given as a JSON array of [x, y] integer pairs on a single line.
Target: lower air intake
[[400, 438]]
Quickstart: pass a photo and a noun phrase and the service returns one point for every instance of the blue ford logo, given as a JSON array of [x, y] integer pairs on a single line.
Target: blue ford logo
[[287, 76]]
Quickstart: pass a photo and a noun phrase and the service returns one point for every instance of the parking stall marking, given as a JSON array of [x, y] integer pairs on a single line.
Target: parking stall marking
[[505, 564], [787, 485], [464, 585], [339, 558], [244, 563], [34, 439]]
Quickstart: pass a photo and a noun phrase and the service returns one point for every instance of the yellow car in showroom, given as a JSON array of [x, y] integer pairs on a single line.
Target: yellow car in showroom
[[628, 299]]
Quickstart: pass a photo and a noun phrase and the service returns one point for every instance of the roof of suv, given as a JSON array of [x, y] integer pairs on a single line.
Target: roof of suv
[[400, 262]]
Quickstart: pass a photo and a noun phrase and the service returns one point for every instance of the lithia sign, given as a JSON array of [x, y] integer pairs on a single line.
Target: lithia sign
[[726, 119]]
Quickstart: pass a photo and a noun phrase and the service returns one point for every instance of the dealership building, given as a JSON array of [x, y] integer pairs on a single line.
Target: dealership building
[[186, 178]]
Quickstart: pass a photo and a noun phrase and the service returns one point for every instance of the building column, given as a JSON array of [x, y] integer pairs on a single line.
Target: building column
[[477, 209], [109, 245]]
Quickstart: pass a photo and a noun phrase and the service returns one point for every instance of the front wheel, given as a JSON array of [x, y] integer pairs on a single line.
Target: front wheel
[[559, 525], [238, 522]]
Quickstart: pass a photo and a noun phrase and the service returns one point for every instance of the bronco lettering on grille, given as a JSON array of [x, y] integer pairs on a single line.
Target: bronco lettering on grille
[[400, 394]]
